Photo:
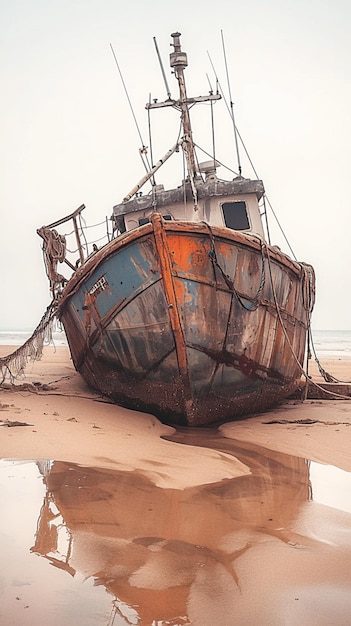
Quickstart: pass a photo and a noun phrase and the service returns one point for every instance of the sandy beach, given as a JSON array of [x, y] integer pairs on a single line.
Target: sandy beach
[[207, 526], [61, 408]]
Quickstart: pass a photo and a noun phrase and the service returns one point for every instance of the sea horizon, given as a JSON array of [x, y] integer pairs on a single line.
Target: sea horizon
[[332, 343], [19, 336]]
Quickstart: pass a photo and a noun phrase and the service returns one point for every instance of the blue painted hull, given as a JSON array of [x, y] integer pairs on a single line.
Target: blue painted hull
[[191, 324]]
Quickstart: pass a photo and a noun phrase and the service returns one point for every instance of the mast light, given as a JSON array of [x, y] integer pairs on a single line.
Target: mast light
[[178, 59]]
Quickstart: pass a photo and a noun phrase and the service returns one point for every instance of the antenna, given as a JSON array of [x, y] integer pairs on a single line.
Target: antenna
[[212, 122], [162, 69], [143, 149], [153, 181], [231, 107]]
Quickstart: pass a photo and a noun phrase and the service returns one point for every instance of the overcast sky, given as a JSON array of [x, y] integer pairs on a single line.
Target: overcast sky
[[68, 137]]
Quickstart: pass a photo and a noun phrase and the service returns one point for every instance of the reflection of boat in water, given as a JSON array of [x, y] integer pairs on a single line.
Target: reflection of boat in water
[[159, 551], [188, 312]]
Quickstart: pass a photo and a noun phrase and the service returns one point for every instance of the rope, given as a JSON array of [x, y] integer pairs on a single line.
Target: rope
[[327, 377], [308, 296], [308, 272], [256, 300], [309, 300], [54, 243], [308, 287], [54, 249], [13, 364]]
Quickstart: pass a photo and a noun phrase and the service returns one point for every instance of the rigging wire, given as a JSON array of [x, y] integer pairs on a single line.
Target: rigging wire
[[88, 243], [212, 122], [82, 229], [143, 149], [217, 161], [213, 134], [266, 199], [250, 160], [86, 227], [231, 106], [168, 91], [153, 181]]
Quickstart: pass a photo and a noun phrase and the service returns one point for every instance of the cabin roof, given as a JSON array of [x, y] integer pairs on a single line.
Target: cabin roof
[[207, 189]]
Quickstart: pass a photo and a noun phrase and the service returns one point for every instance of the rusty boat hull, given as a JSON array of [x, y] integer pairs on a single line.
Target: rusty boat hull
[[195, 324]]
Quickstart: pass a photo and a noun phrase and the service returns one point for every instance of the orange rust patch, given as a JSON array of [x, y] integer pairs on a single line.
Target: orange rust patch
[[188, 251], [199, 258]]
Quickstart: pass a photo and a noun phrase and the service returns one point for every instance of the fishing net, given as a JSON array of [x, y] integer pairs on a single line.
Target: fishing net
[[12, 366]]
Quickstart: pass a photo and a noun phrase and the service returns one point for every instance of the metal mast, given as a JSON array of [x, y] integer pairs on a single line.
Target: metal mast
[[179, 61]]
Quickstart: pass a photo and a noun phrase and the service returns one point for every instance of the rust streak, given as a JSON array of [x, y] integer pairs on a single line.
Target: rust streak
[[166, 272]]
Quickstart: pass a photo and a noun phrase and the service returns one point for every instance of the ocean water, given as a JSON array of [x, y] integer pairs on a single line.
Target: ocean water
[[19, 337], [332, 343]]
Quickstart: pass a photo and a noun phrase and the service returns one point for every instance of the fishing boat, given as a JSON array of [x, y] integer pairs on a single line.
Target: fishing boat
[[188, 311]]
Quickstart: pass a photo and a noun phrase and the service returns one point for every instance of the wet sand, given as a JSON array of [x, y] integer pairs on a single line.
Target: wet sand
[[222, 525]]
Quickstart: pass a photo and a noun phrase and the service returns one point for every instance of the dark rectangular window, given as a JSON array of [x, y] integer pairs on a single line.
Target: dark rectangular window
[[143, 220], [235, 215]]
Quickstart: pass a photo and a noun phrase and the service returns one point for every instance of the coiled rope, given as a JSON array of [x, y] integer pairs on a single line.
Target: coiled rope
[[54, 250]]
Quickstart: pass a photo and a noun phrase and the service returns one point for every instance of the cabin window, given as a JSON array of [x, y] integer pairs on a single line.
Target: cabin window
[[167, 217], [143, 220], [235, 215]]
